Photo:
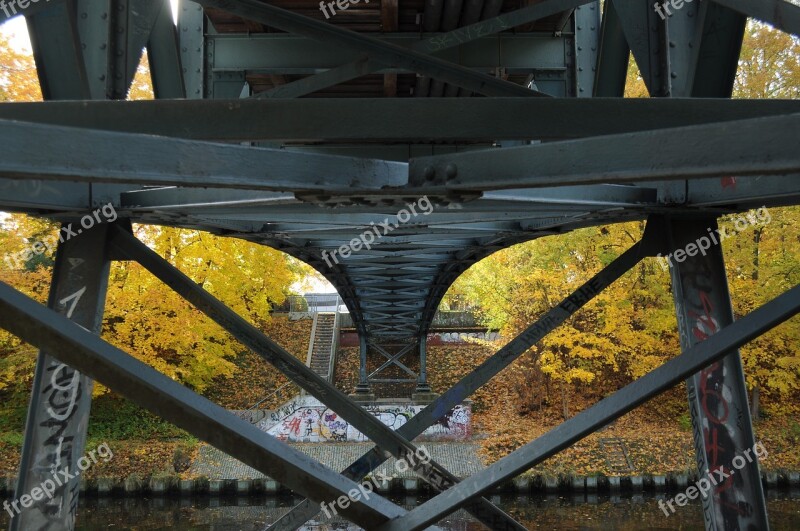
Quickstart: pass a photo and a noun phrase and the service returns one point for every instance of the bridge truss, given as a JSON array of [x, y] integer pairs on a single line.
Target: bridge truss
[[505, 117]]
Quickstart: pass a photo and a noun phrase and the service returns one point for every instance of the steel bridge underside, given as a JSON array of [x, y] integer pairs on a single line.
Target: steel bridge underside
[[499, 122]]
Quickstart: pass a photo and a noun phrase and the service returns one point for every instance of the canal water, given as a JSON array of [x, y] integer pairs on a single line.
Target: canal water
[[580, 512]]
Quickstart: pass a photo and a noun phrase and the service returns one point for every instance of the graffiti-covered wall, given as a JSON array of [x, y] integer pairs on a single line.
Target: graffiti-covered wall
[[306, 419]]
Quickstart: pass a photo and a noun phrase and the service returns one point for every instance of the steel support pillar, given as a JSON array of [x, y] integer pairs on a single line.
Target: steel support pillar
[[191, 42], [613, 56], [58, 416], [717, 395], [363, 385], [422, 383], [164, 54]]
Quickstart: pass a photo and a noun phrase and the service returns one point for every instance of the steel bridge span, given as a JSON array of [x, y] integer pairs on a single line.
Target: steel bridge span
[[500, 121]]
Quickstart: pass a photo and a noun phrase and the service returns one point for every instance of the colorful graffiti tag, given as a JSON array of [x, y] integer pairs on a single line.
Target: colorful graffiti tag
[[306, 419]]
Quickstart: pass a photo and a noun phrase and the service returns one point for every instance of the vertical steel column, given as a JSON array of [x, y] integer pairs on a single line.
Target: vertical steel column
[[586, 47], [191, 39], [164, 54], [363, 384], [58, 416], [422, 383], [718, 404]]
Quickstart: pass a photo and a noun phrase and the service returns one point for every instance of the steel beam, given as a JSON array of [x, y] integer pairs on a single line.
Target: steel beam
[[152, 390], [391, 442], [404, 119], [493, 24], [718, 51], [587, 46], [191, 40], [647, 35], [386, 53], [759, 146], [487, 370], [58, 415], [94, 28], [98, 156], [744, 193], [12, 10], [391, 359], [363, 381], [612, 61], [57, 52], [164, 55], [778, 13], [717, 395], [422, 382], [290, 54], [131, 24], [607, 410], [323, 80]]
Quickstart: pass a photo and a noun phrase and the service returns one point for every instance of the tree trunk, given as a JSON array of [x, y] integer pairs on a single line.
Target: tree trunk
[[755, 406]]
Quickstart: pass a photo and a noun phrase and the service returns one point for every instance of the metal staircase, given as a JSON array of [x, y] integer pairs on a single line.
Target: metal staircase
[[616, 452], [322, 348]]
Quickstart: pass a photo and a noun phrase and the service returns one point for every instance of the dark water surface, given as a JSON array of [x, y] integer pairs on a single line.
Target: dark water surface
[[584, 512]]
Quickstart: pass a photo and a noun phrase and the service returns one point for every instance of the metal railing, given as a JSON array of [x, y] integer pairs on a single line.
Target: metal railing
[[247, 414], [310, 303], [443, 319]]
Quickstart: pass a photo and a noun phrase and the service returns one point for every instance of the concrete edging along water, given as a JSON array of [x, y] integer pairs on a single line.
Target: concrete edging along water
[[526, 484]]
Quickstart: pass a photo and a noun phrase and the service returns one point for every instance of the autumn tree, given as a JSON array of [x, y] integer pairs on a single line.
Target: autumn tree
[[769, 64], [18, 78]]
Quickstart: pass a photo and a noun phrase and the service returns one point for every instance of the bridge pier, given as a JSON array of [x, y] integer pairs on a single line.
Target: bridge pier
[[58, 416], [723, 431]]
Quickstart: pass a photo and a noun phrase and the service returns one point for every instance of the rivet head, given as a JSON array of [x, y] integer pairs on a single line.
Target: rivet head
[[451, 171], [429, 173]]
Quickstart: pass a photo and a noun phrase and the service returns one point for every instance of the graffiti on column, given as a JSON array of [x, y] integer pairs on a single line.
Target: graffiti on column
[[308, 420], [59, 412], [63, 393], [716, 409]]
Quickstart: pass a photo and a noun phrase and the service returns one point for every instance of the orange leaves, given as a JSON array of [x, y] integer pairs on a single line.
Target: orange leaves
[[18, 78]]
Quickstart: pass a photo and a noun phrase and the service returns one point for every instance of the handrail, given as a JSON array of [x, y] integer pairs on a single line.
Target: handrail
[[242, 413], [334, 347]]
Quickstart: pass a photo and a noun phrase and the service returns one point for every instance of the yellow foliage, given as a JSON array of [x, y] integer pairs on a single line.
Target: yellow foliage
[[143, 316]]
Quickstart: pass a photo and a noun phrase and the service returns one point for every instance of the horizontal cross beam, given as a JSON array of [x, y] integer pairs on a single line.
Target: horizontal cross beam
[[759, 146], [402, 119], [89, 155]]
